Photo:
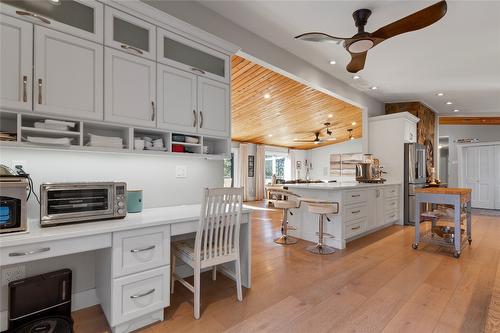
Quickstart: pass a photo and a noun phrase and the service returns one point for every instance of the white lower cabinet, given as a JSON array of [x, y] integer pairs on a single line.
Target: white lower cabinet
[[130, 89], [213, 107], [16, 62], [68, 75]]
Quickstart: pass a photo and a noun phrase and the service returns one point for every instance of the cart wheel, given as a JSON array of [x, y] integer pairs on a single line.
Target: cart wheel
[[456, 254], [414, 246]]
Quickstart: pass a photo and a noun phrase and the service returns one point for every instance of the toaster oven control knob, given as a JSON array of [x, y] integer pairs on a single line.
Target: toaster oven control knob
[[121, 211], [121, 204]]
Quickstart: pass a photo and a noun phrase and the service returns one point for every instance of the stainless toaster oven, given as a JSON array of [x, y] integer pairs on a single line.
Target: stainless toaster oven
[[62, 203]]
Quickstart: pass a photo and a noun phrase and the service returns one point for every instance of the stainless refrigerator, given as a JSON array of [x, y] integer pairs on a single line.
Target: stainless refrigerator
[[415, 177]]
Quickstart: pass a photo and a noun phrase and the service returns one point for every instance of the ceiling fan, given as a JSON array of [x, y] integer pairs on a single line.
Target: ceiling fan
[[317, 139], [359, 44]]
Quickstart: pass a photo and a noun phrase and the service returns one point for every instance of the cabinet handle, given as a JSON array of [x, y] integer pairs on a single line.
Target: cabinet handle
[[25, 88], [194, 69], [128, 47], [355, 211], [152, 111], [143, 249], [355, 228], [201, 119], [41, 18], [354, 195], [39, 91], [143, 294], [195, 118], [20, 254]]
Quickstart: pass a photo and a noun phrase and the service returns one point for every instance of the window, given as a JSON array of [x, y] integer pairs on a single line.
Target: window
[[229, 171], [275, 164]]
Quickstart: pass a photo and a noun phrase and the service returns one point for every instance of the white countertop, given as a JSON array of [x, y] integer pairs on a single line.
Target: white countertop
[[147, 218], [337, 186]]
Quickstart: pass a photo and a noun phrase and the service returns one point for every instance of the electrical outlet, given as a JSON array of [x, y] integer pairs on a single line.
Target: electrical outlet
[[181, 171], [13, 273]]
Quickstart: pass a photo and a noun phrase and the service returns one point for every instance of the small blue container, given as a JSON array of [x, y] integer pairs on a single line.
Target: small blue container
[[134, 201]]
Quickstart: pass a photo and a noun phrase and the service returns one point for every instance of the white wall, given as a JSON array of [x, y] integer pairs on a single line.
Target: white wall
[[320, 157], [483, 133], [153, 174], [251, 44]]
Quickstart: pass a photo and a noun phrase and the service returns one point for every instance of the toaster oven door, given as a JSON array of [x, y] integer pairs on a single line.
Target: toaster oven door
[[74, 203]]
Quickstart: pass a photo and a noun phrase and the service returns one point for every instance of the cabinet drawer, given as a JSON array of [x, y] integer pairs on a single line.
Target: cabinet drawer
[[140, 249], [22, 253], [139, 294], [355, 212], [391, 192], [351, 197], [355, 228], [391, 204], [391, 216]]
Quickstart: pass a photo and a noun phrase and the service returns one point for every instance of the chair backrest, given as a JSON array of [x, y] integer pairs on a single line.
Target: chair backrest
[[219, 229]]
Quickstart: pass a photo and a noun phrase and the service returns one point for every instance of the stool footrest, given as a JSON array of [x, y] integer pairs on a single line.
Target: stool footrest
[[326, 235]]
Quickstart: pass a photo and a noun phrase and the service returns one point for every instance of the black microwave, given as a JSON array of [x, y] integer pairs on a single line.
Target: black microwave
[[13, 211]]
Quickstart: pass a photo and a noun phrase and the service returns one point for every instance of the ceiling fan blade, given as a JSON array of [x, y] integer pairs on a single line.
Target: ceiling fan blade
[[415, 21], [319, 37], [357, 62]]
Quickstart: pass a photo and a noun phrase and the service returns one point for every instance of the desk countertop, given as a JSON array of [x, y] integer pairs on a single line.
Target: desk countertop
[[444, 190], [147, 218]]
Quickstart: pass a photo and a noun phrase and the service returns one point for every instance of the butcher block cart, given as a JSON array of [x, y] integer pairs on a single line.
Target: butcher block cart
[[460, 199]]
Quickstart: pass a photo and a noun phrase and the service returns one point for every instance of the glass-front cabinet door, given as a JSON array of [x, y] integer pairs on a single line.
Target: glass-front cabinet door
[[185, 54], [130, 34], [81, 18]]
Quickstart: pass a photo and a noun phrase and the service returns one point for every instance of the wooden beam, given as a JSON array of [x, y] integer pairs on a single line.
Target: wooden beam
[[469, 120]]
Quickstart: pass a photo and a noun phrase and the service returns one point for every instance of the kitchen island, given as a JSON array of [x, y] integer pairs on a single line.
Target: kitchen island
[[364, 208]]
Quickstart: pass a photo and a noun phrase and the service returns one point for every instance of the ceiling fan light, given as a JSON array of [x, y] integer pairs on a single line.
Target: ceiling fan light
[[361, 46]]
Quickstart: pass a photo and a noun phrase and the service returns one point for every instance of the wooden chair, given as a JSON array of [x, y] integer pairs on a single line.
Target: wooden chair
[[217, 240]]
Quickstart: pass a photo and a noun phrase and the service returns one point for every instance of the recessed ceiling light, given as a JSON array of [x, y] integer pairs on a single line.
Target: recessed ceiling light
[[374, 88], [353, 123], [267, 96], [269, 135], [352, 138], [330, 116], [356, 77], [449, 103], [456, 110], [440, 94], [332, 62], [55, 2]]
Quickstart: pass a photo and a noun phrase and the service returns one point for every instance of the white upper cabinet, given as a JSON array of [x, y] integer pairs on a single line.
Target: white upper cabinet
[[177, 99], [130, 89], [16, 61], [185, 54], [213, 107], [68, 75], [82, 18], [410, 134], [130, 34]]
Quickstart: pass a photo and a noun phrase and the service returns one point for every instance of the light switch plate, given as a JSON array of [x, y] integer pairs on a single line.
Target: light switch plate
[[180, 171]]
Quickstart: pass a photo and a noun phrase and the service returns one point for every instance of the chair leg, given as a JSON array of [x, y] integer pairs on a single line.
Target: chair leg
[[196, 293], [214, 273], [172, 276], [239, 292]]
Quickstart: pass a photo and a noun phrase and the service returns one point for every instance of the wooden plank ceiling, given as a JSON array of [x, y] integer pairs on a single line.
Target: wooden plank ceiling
[[291, 111], [469, 120]]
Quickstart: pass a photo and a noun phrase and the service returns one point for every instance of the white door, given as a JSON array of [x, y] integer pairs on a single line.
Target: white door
[[213, 107], [130, 89], [16, 62], [68, 75], [176, 99], [497, 176], [479, 175]]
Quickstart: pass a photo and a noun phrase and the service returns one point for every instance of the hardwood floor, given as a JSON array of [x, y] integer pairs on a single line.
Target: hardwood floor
[[378, 284]]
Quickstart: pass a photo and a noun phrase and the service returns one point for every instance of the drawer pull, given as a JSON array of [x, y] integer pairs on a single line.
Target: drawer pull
[[356, 228], [36, 16], [143, 249], [128, 47], [355, 195], [20, 254], [143, 294], [356, 211], [193, 69], [393, 216]]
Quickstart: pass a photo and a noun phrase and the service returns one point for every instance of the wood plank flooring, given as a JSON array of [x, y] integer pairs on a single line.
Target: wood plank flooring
[[378, 284]]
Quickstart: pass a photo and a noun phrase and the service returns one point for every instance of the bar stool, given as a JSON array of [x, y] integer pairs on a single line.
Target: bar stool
[[285, 206], [322, 208]]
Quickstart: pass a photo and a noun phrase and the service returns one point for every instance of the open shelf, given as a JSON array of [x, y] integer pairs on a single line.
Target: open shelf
[[34, 130], [8, 127]]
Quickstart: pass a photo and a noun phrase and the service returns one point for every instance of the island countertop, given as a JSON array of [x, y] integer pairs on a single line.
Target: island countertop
[[337, 186]]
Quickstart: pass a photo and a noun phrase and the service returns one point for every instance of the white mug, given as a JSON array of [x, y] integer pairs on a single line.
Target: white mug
[[139, 144]]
